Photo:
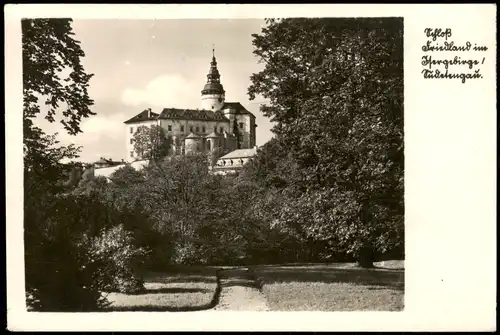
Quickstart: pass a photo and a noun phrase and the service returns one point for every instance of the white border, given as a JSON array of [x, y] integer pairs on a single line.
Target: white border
[[450, 181]]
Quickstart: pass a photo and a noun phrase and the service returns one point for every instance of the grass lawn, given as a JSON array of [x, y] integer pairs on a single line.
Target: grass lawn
[[333, 287], [181, 289]]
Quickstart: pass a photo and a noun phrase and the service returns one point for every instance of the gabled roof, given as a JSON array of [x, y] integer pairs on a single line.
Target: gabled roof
[[213, 135], [192, 135], [145, 115], [103, 160], [192, 114], [238, 107], [240, 153]]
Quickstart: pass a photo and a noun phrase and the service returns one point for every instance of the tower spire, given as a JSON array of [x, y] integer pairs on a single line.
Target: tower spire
[[213, 91], [213, 74]]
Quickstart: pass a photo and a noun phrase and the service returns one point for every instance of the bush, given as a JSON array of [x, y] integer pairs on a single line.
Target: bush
[[61, 277], [60, 273], [121, 262], [187, 253]]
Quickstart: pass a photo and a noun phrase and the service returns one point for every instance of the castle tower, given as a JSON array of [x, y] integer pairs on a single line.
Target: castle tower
[[214, 147], [193, 144], [212, 95]]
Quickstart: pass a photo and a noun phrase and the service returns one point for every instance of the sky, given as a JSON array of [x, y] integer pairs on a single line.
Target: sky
[[139, 64]]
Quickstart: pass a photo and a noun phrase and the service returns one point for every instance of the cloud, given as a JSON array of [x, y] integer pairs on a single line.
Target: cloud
[[102, 135], [164, 91], [111, 125]]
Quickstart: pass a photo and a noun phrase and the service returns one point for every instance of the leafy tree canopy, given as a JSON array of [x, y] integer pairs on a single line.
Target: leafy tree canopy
[[151, 142], [336, 94]]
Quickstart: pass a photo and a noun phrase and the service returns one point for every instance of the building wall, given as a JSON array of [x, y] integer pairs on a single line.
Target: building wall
[[179, 129], [182, 128], [130, 130], [232, 163], [247, 131], [229, 166], [211, 102], [247, 140]]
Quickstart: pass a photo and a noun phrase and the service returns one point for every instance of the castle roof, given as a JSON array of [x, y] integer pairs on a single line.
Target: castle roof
[[145, 115], [192, 114], [193, 135], [103, 160], [213, 85], [238, 107], [213, 135], [240, 153]]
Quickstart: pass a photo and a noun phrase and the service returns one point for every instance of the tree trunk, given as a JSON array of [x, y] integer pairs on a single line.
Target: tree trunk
[[365, 256]]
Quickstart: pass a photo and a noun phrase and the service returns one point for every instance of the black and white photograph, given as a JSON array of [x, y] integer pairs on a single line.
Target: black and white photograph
[[197, 165], [241, 165]]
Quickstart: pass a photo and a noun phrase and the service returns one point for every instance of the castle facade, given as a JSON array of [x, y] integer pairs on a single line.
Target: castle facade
[[218, 127]]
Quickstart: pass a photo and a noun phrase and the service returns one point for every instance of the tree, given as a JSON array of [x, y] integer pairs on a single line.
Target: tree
[[126, 176], [61, 274], [48, 50], [336, 92], [273, 166], [151, 143]]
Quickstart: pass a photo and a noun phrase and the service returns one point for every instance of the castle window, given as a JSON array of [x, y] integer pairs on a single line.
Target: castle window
[[182, 128], [213, 107], [191, 128], [131, 130], [231, 162], [241, 125], [203, 129], [197, 129], [169, 127], [131, 141]]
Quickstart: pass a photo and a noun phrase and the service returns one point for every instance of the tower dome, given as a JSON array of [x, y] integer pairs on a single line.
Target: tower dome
[[212, 95]]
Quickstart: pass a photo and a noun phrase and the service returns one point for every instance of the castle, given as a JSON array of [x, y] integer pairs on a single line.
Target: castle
[[225, 130]]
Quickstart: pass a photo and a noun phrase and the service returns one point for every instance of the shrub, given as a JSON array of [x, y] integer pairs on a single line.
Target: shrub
[[60, 273], [187, 253], [61, 277], [121, 262]]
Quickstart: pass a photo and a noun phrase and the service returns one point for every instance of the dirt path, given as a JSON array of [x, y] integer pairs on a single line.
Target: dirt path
[[240, 292]]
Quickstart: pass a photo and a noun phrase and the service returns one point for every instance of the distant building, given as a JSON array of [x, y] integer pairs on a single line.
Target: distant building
[[233, 162], [104, 163], [107, 171], [218, 128]]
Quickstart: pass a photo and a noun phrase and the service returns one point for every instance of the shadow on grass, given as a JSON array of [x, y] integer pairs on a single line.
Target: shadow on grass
[[242, 283], [147, 308], [180, 279], [171, 290], [398, 286], [326, 274]]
